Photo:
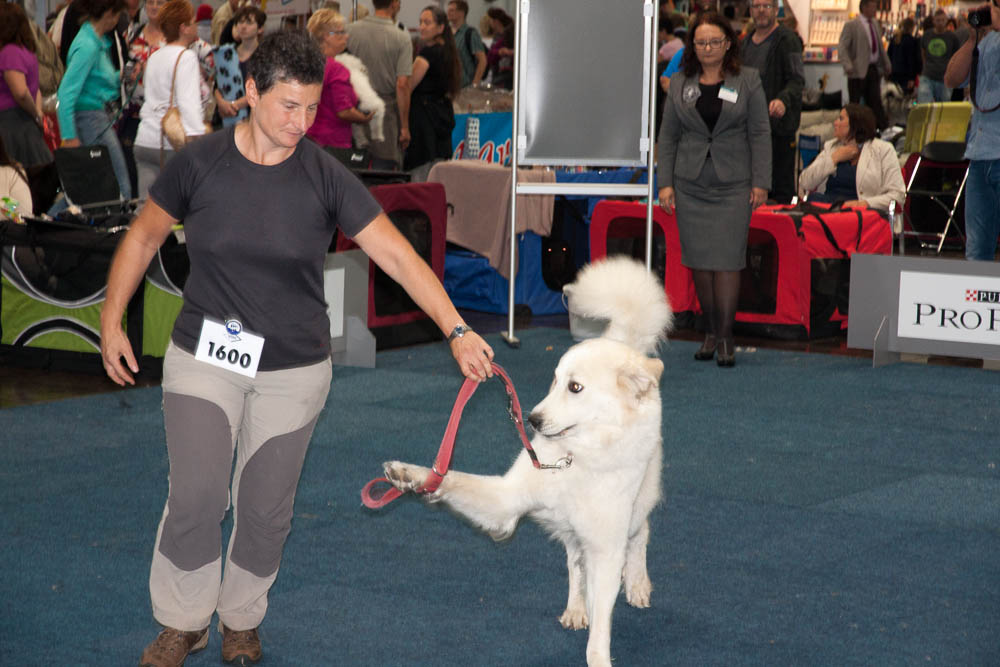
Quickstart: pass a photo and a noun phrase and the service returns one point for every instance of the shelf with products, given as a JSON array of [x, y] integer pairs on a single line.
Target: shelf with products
[[825, 26], [828, 5]]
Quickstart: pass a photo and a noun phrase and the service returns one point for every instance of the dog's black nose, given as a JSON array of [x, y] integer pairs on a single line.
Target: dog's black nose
[[535, 421]]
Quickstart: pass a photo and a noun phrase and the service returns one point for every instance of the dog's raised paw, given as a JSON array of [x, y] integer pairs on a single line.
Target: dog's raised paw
[[404, 476], [574, 619]]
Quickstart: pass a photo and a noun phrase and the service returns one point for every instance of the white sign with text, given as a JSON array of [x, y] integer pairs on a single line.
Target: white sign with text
[[951, 307]]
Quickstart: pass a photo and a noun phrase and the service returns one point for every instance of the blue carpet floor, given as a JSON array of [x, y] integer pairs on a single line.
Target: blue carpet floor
[[817, 512]]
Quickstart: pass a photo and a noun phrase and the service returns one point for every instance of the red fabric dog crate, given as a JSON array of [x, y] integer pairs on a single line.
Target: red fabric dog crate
[[796, 281], [798, 268], [627, 220], [419, 211]]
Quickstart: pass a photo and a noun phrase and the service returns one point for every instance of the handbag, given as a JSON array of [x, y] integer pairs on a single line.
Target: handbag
[[171, 124]]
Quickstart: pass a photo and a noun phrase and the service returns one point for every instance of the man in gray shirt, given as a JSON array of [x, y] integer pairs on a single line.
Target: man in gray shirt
[[387, 52], [471, 50], [937, 46]]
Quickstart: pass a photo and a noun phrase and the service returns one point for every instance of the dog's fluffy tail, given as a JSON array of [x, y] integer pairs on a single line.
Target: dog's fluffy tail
[[620, 289]]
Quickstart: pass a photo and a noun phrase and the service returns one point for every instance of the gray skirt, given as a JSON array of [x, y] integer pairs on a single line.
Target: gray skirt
[[23, 139], [713, 219]]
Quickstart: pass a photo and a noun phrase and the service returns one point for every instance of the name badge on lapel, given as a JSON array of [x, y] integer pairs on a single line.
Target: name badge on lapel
[[727, 94], [228, 345]]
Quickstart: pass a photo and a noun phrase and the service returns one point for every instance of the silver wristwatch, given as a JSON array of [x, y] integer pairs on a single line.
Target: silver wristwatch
[[458, 332]]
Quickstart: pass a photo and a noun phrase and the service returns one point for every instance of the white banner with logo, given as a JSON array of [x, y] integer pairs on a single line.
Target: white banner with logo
[[951, 307]]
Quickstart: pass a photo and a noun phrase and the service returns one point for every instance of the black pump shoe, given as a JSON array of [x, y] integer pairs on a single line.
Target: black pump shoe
[[727, 354], [707, 349]]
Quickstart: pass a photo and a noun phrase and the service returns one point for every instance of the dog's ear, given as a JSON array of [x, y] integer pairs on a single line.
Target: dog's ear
[[640, 376]]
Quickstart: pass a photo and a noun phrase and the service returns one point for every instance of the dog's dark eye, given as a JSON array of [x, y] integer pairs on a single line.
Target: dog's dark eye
[[575, 387]]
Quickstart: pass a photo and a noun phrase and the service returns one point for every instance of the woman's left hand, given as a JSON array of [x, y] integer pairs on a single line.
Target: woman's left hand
[[758, 196], [473, 356], [855, 203]]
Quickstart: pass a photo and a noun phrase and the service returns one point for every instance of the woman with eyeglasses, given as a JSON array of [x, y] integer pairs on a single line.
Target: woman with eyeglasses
[[714, 169], [338, 103]]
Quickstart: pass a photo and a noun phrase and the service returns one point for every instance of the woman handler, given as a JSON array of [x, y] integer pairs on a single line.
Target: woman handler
[[255, 293]]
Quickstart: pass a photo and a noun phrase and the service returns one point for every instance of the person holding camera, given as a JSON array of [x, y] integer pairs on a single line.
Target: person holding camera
[[977, 65]]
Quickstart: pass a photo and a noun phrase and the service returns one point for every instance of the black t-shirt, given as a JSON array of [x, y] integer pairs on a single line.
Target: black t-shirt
[[257, 237], [709, 104], [435, 81]]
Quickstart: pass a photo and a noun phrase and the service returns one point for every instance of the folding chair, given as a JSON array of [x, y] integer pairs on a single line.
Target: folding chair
[[936, 171], [88, 180]]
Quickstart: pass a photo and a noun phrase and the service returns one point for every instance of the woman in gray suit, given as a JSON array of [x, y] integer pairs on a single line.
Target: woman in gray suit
[[715, 167]]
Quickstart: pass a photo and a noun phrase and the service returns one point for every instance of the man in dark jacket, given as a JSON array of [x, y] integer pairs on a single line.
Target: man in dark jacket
[[776, 52]]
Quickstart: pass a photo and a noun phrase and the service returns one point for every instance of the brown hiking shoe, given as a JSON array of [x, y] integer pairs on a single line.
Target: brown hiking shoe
[[239, 647], [171, 647]]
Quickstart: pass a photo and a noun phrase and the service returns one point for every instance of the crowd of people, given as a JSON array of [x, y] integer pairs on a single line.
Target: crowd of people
[[95, 55], [718, 160], [259, 110], [116, 90]]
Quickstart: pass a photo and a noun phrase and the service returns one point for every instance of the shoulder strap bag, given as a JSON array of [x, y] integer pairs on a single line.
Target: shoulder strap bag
[[171, 124]]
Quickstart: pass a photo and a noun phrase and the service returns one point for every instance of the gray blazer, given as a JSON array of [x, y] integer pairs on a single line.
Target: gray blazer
[[855, 48], [740, 144]]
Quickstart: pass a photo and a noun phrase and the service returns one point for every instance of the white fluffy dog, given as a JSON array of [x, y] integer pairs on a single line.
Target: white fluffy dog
[[368, 99], [603, 412]]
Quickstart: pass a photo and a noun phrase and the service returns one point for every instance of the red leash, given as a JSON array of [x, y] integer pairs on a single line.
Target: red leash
[[443, 460]]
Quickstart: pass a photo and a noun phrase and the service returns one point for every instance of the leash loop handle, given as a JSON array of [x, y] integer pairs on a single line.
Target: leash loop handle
[[443, 460]]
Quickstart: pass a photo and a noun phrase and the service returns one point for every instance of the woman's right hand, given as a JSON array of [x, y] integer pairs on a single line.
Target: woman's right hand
[[70, 143], [667, 199], [115, 349], [227, 109], [845, 153]]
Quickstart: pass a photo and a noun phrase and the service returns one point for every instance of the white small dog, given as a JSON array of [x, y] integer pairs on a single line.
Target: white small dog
[[368, 99], [603, 413]]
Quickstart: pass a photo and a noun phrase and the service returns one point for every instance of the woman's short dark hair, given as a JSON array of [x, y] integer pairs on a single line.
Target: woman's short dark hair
[[862, 122], [258, 15], [730, 63], [14, 27], [286, 56], [95, 9], [173, 15]]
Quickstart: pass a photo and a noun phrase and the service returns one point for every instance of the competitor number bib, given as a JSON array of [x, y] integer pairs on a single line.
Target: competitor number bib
[[227, 345]]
